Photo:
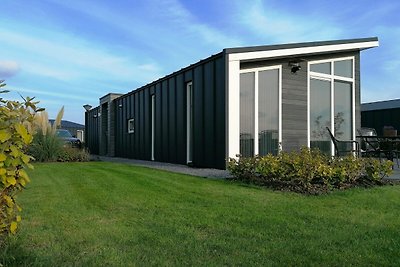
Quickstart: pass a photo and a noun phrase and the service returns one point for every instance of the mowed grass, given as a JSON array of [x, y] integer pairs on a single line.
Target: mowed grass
[[107, 214]]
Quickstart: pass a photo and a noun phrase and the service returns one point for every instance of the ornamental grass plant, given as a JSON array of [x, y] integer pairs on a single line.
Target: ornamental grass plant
[[46, 146]]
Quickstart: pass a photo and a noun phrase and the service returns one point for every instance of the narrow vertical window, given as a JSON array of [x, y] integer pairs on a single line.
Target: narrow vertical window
[[153, 102], [131, 125], [320, 114], [189, 122], [247, 116], [260, 111], [268, 112]]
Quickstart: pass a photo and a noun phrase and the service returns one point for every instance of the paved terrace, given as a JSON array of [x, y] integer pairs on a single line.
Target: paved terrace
[[201, 172]]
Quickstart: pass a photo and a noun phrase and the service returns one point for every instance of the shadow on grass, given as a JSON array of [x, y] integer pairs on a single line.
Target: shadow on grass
[[13, 254]]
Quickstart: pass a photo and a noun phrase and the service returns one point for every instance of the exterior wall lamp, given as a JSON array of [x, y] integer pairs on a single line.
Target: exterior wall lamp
[[295, 66], [87, 107]]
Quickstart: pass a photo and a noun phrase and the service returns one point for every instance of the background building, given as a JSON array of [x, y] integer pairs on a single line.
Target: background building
[[377, 115]]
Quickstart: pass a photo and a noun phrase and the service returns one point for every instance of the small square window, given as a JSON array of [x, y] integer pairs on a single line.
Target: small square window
[[321, 67], [344, 68], [131, 125]]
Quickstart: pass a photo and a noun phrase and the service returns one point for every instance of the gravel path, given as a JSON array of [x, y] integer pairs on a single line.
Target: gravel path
[[201, 172]]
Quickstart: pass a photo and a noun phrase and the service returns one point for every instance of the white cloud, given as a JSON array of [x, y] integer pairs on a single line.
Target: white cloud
[[175, 12], [8, 68], [51, 56], [279, 26], [39, 92]]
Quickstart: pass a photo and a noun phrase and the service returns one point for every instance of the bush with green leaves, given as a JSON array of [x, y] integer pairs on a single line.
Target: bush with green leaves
[[68, 154], [309, 171], [16, 133]]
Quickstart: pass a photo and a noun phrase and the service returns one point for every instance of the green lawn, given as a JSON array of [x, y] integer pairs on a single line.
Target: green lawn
[[106, 214]]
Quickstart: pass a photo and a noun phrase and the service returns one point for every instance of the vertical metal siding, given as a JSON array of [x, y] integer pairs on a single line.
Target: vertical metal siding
[[165, 126], [220, 116], [198, 116], [209, 111], [378, 119], [172, 107], [180, 119], [92, 130], [170, 117], [147, 124], [158, 129]]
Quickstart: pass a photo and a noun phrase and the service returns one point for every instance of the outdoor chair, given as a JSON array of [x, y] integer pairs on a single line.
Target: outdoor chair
[[344, 147], [370, 146]]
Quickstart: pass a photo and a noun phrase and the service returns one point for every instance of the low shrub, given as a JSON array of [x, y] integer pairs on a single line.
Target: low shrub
[[309, 171], [68, 154]]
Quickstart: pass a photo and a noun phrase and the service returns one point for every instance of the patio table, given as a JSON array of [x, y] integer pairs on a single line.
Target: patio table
[[388, 145]]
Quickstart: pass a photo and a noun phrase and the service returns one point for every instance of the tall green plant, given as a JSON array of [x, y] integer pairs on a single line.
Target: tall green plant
[[46, 145], [16, 133]]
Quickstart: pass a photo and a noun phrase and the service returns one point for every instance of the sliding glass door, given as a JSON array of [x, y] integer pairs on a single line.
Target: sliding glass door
[[260, 111]]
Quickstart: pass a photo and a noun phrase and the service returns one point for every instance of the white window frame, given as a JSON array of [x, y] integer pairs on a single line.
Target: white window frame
[[153, 110], [256, 71], [189, 123], [331, 78], [131, 122]]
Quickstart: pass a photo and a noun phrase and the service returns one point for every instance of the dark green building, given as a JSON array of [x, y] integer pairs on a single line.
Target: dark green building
[[247, 100]]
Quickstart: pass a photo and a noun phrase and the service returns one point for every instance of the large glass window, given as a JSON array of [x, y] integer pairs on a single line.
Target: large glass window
[[343, 114], [247, 99], [331, 102], [259, 95], [268, 112], [320, 114]]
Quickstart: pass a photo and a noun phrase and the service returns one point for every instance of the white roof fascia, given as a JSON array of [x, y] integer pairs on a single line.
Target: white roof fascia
[[301, 51]]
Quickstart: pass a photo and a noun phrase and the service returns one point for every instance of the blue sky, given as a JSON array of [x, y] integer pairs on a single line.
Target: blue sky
[[73, 52]]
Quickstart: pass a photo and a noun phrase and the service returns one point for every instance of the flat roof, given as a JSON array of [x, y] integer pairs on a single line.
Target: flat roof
[[299, 49], [277, 51], [298, 45], [387, 104]]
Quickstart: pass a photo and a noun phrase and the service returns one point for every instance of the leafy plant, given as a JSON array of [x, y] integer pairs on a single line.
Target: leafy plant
[[16, 133], [309, 171], [69, 154]]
